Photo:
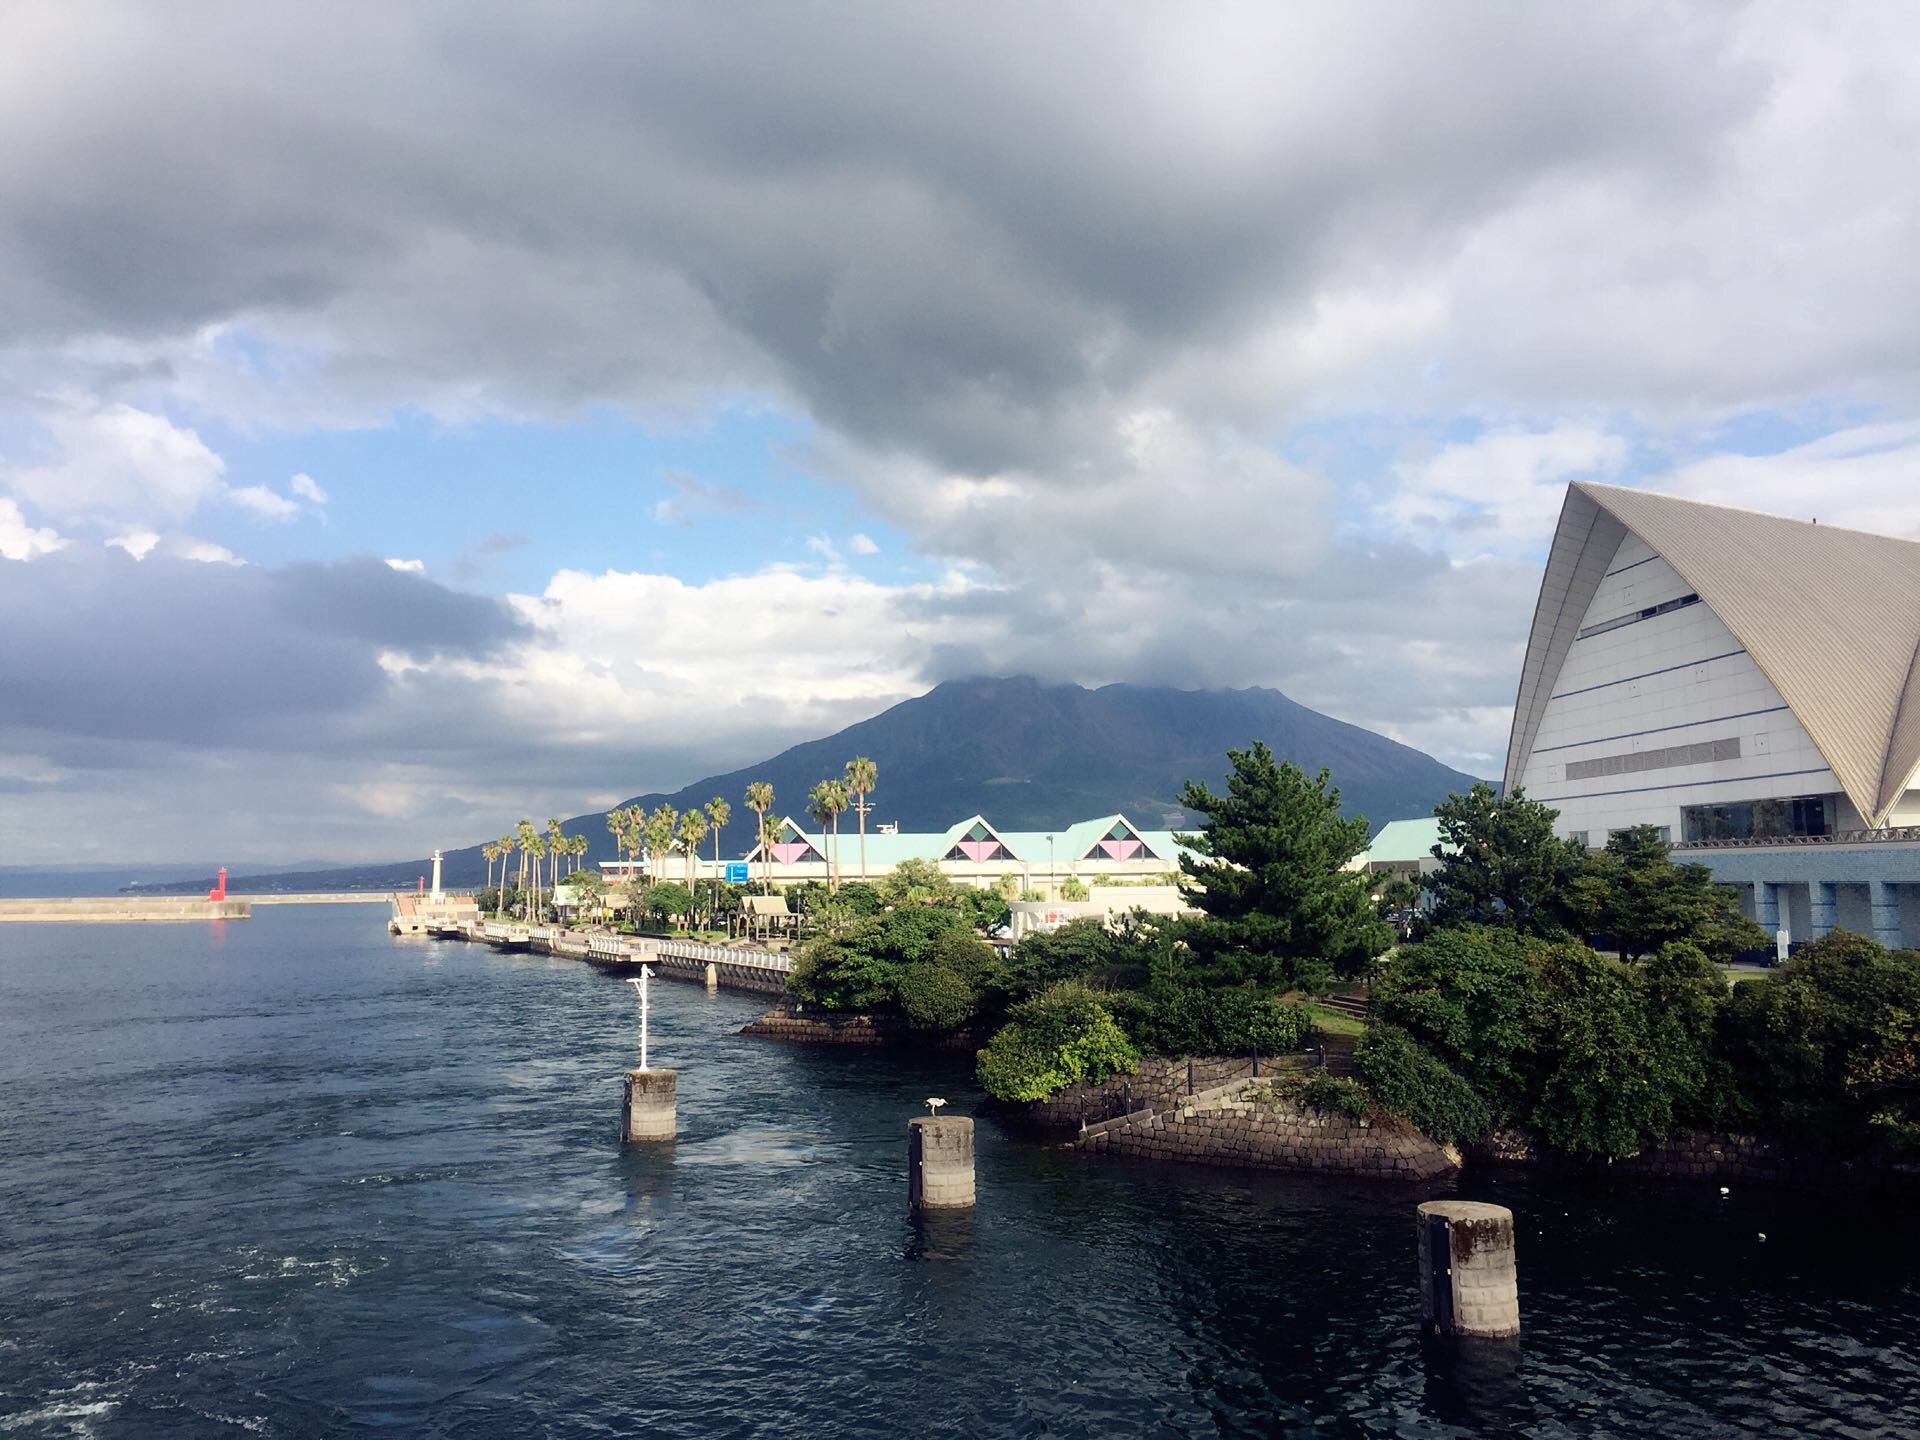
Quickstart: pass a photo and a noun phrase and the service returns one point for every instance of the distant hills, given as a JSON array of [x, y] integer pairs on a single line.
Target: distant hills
[[1026, 755]]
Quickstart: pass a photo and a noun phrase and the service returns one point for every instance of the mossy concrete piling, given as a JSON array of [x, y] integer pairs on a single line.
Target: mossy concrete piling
[[939, 1162], [1469, 1282], [649, 1110]]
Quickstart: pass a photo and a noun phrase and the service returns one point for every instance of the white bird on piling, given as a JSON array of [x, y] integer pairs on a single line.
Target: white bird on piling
[[934, 1102]]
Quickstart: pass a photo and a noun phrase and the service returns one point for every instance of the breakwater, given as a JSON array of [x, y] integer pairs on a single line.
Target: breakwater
[[122, 910]]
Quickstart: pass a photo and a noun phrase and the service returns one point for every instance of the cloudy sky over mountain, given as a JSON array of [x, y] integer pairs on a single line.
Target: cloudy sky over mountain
[[416, 417]]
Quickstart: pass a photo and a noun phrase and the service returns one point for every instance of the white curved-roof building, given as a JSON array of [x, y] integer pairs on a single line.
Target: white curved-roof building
[[1746, 682]]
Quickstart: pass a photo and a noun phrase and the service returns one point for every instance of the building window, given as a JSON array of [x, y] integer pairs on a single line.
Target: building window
[[1579, 837], [1773, 819], [1665, 832]]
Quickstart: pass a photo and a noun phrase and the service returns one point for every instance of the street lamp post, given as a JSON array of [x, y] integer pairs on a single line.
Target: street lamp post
[[1049, 869]]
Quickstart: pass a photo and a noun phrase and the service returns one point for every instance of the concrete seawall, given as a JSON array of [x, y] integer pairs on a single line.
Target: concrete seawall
[[122, 910]]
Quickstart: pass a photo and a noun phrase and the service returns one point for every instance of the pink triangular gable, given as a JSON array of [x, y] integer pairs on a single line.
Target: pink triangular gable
[[791, 851], [1119, 849], [978, 849]]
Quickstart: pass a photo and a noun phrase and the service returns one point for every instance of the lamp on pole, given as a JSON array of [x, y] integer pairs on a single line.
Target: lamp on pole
[[1049, 869], [640, 987]]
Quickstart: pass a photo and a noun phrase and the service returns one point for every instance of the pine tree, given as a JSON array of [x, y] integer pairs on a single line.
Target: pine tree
[[1277, 906]]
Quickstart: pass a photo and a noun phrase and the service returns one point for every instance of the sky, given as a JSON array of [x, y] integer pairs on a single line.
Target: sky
[[417, 417]]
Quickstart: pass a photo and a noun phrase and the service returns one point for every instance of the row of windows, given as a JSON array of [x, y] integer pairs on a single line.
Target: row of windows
[[1634, 618], [1758, 819]]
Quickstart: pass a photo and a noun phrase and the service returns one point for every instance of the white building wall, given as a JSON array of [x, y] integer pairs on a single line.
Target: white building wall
[[1676, 679]]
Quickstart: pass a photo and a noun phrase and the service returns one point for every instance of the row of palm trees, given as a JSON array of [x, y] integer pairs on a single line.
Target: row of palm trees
[[659, 834], [561, 853]]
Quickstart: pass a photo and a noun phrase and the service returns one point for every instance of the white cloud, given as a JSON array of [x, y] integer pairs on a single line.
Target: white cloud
[[1865, 477], [861, 544], [307, 489], [1500, 492], [18, 539], [823, 547], [407, 567], [189, 547], [116, 464], [265, 503], [137, 543]]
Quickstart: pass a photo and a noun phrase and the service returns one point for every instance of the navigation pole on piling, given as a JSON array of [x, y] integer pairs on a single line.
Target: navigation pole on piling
[[648, 1109], [640, 988]]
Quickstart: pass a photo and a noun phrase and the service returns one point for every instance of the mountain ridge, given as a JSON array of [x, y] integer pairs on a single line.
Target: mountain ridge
[[1028, 755]]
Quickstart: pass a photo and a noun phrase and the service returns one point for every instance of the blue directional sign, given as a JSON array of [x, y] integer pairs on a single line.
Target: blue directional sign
[[736, 872]]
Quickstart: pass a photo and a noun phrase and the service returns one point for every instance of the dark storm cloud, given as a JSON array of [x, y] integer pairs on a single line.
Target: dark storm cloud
[[966, 232], [102, 646]]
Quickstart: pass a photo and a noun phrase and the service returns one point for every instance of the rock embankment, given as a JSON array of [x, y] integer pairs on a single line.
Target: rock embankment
[[1258, 1124]]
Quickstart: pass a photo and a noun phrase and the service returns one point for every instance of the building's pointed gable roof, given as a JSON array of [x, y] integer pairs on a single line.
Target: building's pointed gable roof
[[976, 832], [1830, 616]]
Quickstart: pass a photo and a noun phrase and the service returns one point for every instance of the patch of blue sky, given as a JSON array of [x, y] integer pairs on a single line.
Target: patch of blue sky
[[500, 505]]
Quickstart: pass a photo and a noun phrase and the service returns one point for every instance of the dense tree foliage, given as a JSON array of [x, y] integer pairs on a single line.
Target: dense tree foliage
[[1501, 864], [1635, 895], [1830, 1045], [1278, 907]]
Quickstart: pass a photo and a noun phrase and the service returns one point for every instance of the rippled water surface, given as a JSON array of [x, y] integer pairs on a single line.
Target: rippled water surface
[[289, 1176]]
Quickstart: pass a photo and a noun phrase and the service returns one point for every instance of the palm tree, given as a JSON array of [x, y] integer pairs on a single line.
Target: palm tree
[[537, 849], [862, 775], [553, 852], [820, 806], [693, 829], [524, 836], [659, 830], [837, 799], [492, 853], [769, 837], [760, 801], [718, 813], [500, 905]]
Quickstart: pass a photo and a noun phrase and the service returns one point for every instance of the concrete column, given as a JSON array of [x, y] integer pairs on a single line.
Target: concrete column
[[1824, 908], [1886, 913], [1468, 1282], [439, 895], [939, 1162], [1766, 906], [650, 1108], [713, 976]]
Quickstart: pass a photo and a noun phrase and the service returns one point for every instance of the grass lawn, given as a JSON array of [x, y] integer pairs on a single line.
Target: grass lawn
[[1335, 1022]]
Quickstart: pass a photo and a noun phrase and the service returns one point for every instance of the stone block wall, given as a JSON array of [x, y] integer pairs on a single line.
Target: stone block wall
[[1252, 1125], [822, 1027]]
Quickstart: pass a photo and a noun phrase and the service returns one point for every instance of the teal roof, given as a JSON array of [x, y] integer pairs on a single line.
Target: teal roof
[[1070, 843], [1402, 841]]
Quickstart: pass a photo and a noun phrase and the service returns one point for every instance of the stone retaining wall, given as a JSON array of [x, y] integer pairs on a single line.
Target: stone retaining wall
[[1158, 1084], [822, 1027], [1254, 1126], [1725, 1158]]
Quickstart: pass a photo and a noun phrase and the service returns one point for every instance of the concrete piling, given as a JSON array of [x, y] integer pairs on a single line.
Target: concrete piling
[[1469, 1284], [713, 976], [939, 1162], [649, 1110]]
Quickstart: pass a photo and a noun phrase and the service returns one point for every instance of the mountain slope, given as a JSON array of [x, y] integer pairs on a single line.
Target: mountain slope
[[1030, 757]]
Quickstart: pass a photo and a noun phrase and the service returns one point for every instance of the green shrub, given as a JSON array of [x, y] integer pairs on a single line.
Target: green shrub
[[1829, 1045], [934, 995], [1073, 888], [1335, 1095], [1051, 1041], [1409, 1081]]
